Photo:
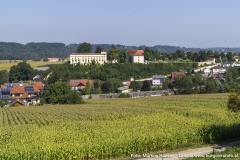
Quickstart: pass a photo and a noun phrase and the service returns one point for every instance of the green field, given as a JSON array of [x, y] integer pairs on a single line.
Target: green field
[[112, 128], [6, 65]]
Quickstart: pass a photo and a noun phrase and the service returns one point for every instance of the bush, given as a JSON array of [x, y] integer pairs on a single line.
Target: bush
[[233, 101], [123, 95], [42, 101], [3, 102]]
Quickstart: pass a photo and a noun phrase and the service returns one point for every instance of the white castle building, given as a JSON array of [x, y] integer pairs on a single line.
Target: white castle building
[[87, 58]]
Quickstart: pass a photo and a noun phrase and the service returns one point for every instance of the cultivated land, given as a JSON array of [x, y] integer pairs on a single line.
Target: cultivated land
[[6, 65], [113, 128]]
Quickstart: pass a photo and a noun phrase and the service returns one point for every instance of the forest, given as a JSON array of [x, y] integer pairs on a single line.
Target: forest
[[37, 51]]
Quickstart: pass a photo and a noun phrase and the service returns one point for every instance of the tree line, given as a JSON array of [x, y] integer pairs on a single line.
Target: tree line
[[37, 51]]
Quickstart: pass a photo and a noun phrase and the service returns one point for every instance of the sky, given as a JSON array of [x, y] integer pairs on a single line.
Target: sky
[[184, 23]]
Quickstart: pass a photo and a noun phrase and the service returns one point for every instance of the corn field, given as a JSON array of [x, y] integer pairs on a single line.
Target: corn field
[[113, 128]]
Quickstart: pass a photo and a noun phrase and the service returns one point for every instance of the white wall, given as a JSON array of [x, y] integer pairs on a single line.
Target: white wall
[[138, 59]]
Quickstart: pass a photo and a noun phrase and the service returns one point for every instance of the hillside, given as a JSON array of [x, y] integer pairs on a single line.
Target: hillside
[[36, 51]]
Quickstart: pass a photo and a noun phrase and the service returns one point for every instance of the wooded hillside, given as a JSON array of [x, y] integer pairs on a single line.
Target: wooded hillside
[[37, 51]]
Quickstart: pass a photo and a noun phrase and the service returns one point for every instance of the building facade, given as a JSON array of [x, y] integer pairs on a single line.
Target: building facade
[[158, 79], [87, 58], [137, 56]]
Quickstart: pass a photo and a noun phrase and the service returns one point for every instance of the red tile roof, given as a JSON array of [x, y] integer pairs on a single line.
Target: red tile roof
[[3, 86], [20, 90], [136, 52], [39, 85], [74, 83], [177, 73]]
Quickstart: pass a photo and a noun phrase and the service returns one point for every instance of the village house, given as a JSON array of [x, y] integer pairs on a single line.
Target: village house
[[173, 74], [87, 58], [230, 64], [79, 84], [28, 93], [137, 56], [5, 91], [218, 69], [158, 79], [16, 103], [54, 59]]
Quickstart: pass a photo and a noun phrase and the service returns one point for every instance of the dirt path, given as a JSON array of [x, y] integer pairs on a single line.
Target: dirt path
[[200, 152]]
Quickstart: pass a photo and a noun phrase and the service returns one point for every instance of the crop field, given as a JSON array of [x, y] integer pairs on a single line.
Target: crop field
[[6, 65], [113, 128]]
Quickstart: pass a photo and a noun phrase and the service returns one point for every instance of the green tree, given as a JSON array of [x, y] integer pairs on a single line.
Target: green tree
[[84, 48], [229, 56], [211, 86], [72, 98], [174, 56], [203, 56], [180, 54], [23, 71], [216, 55], [96, 86], [210, 53], [157, 55], [196, 57], [231, 74], [57, 91], [87, 88], [54, 77], [98, 49], [93, 62], [164, 56], [115, 83], [190, 55], [147, 56], [146, 86], [105, 87], [165, 84], [135, 85], [3, 102], [233, 101], [111, 54], [183, 84], [197, 79], [4, 77]]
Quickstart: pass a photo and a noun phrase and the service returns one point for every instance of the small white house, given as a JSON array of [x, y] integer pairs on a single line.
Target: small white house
[[218, 69], [158, 79], [137, 56]]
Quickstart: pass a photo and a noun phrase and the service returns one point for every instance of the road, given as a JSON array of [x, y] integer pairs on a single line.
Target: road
[[196, 152], [196, 70]]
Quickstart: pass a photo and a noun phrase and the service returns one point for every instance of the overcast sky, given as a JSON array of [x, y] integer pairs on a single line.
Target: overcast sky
[[184, 23]]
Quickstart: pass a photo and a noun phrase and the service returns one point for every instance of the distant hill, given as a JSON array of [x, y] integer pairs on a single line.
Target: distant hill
[[37, 51]]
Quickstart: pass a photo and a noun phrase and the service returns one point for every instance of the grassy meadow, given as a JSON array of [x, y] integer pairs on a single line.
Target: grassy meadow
[[6, 65], [113, 128]]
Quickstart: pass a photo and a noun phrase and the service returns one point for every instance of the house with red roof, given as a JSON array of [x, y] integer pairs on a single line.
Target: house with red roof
[[137, 56], [79, 84], [27, 93], [175, 74], [54, 59]]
